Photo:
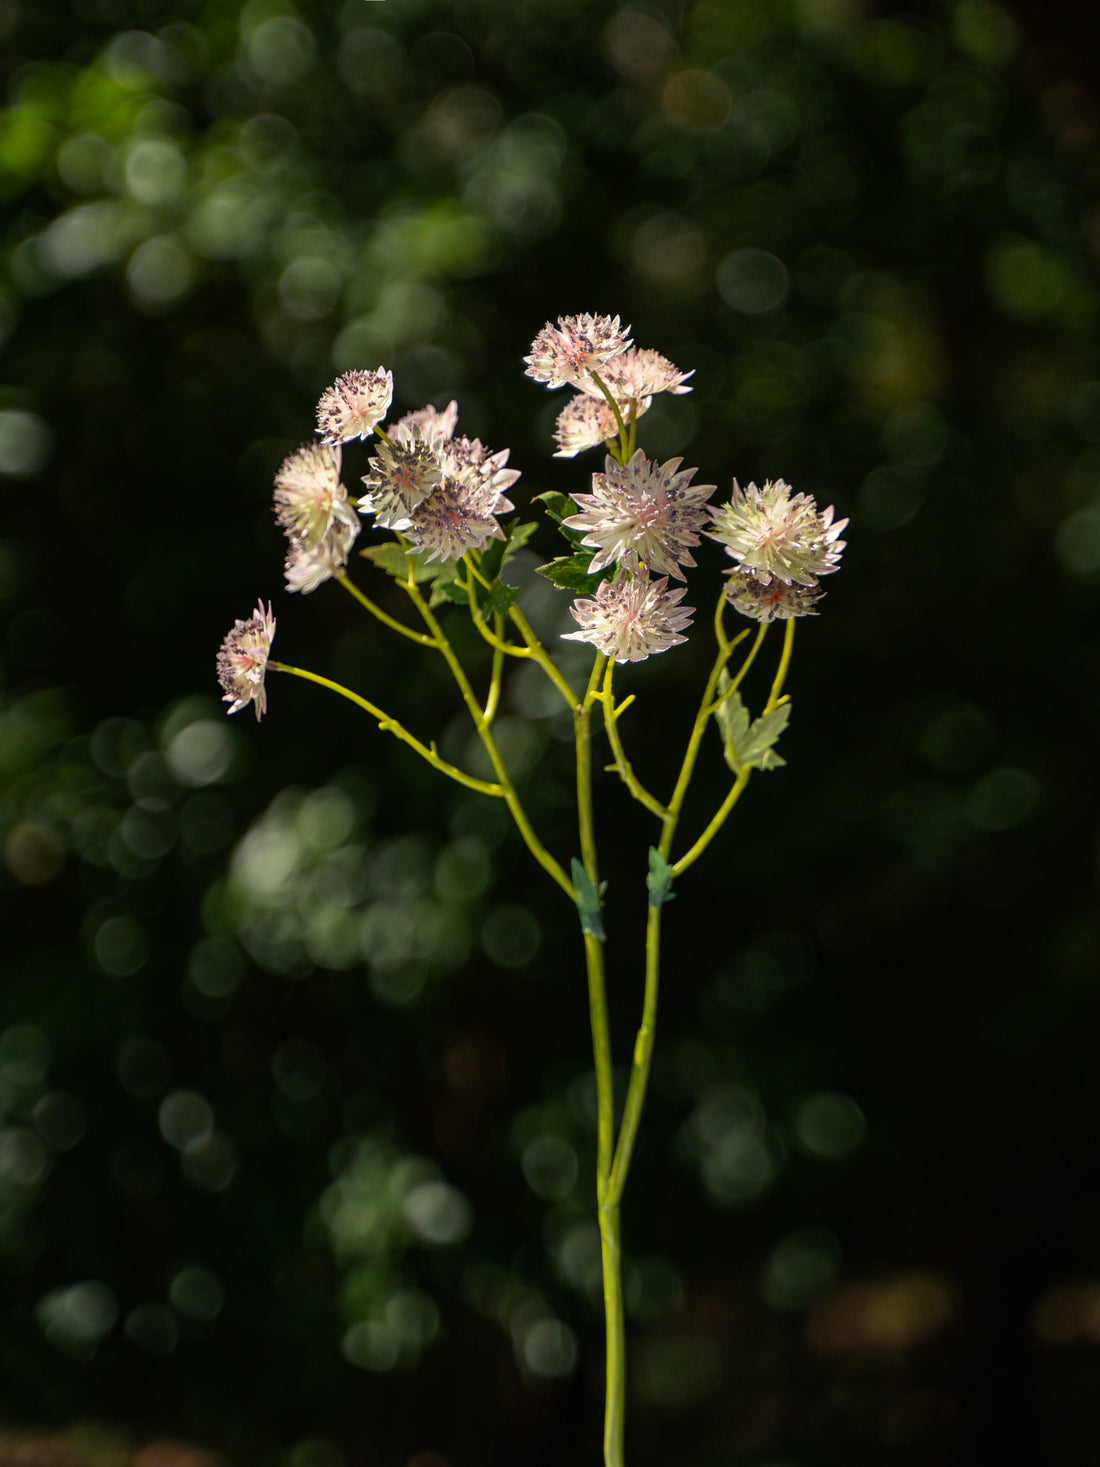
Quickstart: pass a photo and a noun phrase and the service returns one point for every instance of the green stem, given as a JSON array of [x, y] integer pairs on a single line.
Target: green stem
[[391, 725], [538, 652], [383, 616], [622, 764]]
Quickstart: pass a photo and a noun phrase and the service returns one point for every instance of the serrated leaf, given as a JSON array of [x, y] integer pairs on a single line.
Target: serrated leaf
[[559, 507], [659, 880], [444, 590], [500, 552], [389, 557], [497, 598], [588, 902], [749, 743], [570, 572]]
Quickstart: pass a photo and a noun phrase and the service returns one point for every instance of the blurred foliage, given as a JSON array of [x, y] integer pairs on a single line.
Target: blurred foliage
[[293, 1066]]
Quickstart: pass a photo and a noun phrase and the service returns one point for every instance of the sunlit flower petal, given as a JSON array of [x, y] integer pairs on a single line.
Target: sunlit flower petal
[[630, 618], [587, 422], [772, 533], [403, 474], [460, 513], [309, 566], [639, 372], [576, 346], [435, 424], [774, 601], [242, 661], [354, 405], [309, 494]]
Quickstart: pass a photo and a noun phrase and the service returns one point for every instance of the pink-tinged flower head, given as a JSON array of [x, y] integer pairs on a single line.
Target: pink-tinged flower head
[[637, 373], [587, 422], [310, 565], [435, 424], [309, 495], [354, 405], [576, 346], [651, 509], [460, 512], [401, 477], [771, 532], [775, 601], [242, 661], [630, 618]]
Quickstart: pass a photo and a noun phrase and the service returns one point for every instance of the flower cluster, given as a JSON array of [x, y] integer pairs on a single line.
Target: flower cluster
[[312, 506], [242, 661], [631, 617], [781, 543]]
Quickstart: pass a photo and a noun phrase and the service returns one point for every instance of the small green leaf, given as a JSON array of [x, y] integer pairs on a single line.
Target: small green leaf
[[588, 902], [659, 880], [557, 505], [500, 552], [497, 598], [570, 572], [749, 742], [444, 590], [389, 557]]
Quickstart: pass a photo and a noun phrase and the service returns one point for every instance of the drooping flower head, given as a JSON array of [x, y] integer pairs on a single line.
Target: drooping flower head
[[588, 421], [436, 424], [310, 565], [630, 618], [775, 601], [309, 494], [651, 509], [639, 372], [354, 405], [576, 346], [460, 512], [771, 532], [403, 474], [242, 661]]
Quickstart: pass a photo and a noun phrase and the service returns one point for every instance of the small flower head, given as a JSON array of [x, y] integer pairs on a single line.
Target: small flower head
[[587, 422], [771, 532], [310, 565], [354, 405], [242, 661], [639, 373], [309, 494], [775, 601], [576, 346], [460, 512], [651, 509], [630, 618], [436, 425], [402, 476]]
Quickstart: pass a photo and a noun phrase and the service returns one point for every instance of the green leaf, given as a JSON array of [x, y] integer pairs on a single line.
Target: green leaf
[[497, 598], [559, 507], [500, 552], [749, 743], [588, 902], [389, 557], [570, 572], [659, 880], [444, 590]]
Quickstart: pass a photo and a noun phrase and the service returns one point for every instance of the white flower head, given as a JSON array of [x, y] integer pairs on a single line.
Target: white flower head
[[403, 474], [576, 346], [630, 618], [775, 601], [354, 405], [643, 507], [639, 373], [310, 565], [460, 512], [773, 533], [436, 424], [587, 422], [242, 661], [308, 493]]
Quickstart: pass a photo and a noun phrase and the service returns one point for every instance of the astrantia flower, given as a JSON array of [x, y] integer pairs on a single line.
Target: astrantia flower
[[354, 405], [631, 618], [588, 421], [309, 566], [637, 373], [644, 507], [772, 533], [403, 474], [242, 661], [576, 346], [460, 513], [435, 424], [775, 601], [309, 494]]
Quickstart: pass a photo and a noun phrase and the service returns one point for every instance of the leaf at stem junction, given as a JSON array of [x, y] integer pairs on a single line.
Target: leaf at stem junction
[[570, 572], [499, 552], [588, 902], [749, 742], [659, 880]]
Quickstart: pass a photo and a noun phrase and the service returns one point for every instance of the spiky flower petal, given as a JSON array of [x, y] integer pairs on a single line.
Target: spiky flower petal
[[641, 506], [309, 566], [576, 346], [772, 533], [309, 494], [460, 512], [242, 661], [587, 422], [630, 618], [354, 405], [435, 424], [775, 601], [639, 372], [402, 476]]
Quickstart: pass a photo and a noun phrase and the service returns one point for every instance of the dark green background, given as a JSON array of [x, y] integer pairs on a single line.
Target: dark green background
[[863, 1223]]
